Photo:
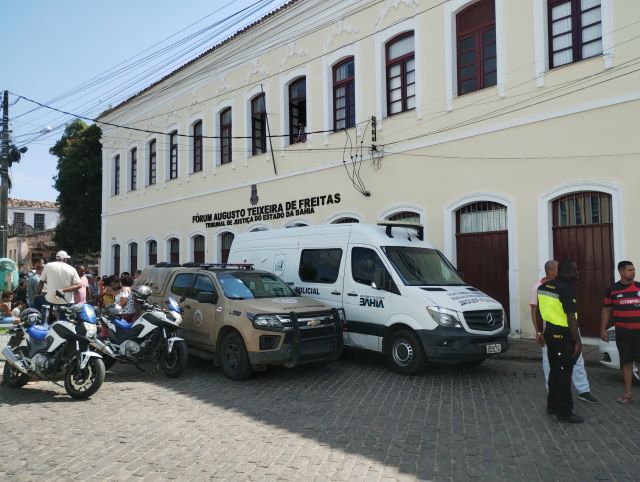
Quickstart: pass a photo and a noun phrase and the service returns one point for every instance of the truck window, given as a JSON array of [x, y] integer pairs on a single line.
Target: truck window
[[364, 263], [320, 265], [182, 285], [203, 284]]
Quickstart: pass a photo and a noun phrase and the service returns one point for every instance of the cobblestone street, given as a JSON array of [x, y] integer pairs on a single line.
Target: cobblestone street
[[351, 420]]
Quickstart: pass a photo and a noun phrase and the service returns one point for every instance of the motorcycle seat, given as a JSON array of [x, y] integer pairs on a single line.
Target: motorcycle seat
[[38, 332], [123, 324]]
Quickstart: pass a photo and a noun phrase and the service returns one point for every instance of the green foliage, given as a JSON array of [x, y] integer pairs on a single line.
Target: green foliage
[[79, 182]]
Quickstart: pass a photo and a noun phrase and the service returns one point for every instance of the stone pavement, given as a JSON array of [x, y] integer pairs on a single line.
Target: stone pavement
[[351, 420]]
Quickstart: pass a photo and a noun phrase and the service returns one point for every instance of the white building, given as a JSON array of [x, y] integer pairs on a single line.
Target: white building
[[507, 128]]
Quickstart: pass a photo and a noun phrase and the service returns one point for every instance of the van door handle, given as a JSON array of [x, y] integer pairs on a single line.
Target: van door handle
[[336, 293], [352, 294]]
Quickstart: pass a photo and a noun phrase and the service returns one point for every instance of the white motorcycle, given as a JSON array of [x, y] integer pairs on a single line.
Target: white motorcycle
[[149, 339], [59, 351]]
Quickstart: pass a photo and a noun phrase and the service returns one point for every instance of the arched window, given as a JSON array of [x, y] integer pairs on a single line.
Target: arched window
[[174, 250], [346, 220], [401, 78], [476, 47], [582, 208], [152, 162], [116, 175], [115, 250], [225, 136], [575, 30], [298, 110], [133, 257], [405, 217], [197, 146], [296, 225], [173, 155], [344, 95], [198, 249], [258, 125], [226, 239], [152, 250], [482, 217], [133, 173], [259, 228]]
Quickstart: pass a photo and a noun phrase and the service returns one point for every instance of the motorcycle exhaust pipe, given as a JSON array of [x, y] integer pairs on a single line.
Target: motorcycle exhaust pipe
[[12, 359], [101, 347]]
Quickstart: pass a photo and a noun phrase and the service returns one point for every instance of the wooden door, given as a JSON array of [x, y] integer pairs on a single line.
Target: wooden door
[[583, 232], [482, 249]]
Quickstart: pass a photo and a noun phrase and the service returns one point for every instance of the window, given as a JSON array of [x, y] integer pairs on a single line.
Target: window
[[401, 79], [364, 263], [344, 95], [198, 249], [203, 284], [133, 257], [152, 162], [320, 265], [174, 250], [134, 169], [225, 136], [182, 285], [18, 218], [38, 222], [298, 111], [258, 125], [346, 221], [116, 175], [482, 217], [226, 239], [575, 31], [197, 146], [476, 47], [405, 217], [582, 208], [173, 155], [116, 258], [152, 249]]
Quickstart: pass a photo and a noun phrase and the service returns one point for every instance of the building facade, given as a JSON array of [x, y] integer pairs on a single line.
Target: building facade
[[506, 128], [31, 229]]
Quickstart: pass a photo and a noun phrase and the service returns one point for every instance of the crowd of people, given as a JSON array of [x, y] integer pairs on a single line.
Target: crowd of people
[[39, 286]]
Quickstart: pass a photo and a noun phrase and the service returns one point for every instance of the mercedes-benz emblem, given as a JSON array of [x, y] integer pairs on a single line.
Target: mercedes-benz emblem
[[490, 320]]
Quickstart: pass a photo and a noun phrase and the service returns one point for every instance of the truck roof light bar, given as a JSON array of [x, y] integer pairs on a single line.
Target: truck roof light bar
[[388, 225]]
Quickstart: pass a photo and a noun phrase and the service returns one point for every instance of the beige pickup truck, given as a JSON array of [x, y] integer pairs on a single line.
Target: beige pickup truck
[[246, 319]]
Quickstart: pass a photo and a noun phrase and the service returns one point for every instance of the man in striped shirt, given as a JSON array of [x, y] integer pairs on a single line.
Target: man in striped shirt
[[622, 306]]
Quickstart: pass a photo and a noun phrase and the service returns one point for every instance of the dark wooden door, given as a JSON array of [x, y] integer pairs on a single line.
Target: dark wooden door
[[583, 232], [482, 249]]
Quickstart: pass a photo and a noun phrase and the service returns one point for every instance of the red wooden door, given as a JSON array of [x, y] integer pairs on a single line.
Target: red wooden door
[[583, 232], [482, 249]]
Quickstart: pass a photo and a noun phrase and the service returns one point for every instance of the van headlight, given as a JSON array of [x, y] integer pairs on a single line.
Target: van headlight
[[268, 322], [445, 316]]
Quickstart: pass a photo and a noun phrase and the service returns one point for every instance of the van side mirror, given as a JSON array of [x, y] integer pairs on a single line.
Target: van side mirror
[[208, 297], [378, 280]]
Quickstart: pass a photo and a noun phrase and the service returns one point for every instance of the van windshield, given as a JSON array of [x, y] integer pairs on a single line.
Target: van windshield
[[247, 285], [422, 266]]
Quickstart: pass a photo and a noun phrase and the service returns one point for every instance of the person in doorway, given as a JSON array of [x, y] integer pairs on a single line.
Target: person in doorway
[[622, 306], [59, 276], [579, 376], [556, 318]]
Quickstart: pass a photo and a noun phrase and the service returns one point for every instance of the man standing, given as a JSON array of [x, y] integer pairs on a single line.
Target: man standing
[[80, 295], [59, 276], [557, 309], [579, 376], [34, 300], [622, 306]]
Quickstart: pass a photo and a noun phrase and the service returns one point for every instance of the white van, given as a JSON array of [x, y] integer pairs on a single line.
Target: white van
[[401, 296]]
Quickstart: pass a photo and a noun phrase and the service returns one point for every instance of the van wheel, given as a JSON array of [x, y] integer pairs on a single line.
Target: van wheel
[[234, 358], [404, 352]]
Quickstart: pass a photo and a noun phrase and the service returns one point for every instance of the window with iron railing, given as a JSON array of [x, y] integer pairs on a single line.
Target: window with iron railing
[[38, 222]]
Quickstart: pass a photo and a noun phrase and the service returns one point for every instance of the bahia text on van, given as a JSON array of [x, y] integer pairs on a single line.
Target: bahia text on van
[[401, 296]]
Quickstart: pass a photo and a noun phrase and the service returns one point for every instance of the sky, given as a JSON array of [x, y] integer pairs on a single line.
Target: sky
[[51, 48]]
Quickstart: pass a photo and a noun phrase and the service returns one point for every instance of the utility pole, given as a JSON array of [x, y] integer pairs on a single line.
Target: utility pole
[[4, 177]]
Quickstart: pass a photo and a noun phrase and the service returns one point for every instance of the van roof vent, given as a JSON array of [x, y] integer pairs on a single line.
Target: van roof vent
[[391, 224]]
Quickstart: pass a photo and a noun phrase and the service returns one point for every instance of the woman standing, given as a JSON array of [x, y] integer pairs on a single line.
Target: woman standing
[[125, 299]]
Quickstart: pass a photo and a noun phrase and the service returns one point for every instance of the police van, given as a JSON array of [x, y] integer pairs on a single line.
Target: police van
[[401, 296]]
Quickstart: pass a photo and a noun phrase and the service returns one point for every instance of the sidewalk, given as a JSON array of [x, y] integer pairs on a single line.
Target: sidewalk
[[523, 349]]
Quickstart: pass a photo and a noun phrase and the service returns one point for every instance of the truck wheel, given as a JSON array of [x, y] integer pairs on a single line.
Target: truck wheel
[[404, 352], [234, 358]]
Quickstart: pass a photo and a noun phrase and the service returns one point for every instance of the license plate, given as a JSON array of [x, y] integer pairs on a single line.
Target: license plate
[[494, 348]]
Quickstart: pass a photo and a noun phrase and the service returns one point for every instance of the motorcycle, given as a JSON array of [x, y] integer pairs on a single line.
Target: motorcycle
[[57, 351], [149, 339]]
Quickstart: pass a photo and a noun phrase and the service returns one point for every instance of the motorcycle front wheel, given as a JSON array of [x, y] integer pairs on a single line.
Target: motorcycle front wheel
[[175, 363], [13, 378], [84, 384]]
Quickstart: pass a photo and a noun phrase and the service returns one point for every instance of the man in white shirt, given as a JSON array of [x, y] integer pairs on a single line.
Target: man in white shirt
[[59, 276]]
